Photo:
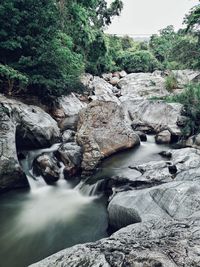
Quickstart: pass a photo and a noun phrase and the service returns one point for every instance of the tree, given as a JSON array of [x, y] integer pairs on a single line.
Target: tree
[[31, 44], [139, 61]]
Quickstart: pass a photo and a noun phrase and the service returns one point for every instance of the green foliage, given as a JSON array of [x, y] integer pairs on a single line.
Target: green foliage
[[11, 79], [171, 82], [190, 99], [139, 61], [51, 42]]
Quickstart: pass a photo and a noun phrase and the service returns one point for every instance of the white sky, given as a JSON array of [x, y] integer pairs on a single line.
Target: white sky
[[148, 16]]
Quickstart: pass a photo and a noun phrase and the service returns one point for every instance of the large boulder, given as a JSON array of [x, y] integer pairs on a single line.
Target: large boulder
[[103, 131], [11, 174], [176, 200], [153, 115], [35, 127], [143, 85], [172, 190], [24, 127], [66, 111], [102, 90], [153, 244], [71, 156]]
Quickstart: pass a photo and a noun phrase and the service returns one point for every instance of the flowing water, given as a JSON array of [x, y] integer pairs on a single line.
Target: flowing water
[[38, 222]]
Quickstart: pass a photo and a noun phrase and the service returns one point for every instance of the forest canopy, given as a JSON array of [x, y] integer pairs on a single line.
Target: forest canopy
[[46, 45]]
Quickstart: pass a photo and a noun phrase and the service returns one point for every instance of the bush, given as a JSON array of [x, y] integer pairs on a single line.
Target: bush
[[171, 82], [11, 80], [140, 61], [190, 99]]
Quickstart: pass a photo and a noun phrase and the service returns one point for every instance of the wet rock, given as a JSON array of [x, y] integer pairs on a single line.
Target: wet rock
[[46, 165], [71, 155], [103, 131], [11, 174], [68, 136], [163, 137], [159, 243], [172, 169], [166, 154], [142, 136]]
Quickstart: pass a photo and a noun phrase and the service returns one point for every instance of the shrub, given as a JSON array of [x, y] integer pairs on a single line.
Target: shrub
[[11, 80], [140, 61], [190, 99], [171, 82]]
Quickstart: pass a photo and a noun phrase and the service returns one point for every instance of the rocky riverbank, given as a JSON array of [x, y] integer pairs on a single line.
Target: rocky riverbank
[[116, 111]]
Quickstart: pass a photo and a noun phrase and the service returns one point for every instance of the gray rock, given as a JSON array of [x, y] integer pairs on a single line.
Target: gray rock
[[103, 131], [69, 106], [102, 91], [71, 155], [153, 115], [154, 244], [24, 126], [114, 81], [143, 85], [177, 196], [122, 74], [185, 76], [46, 165], [163, 137], [107, 76], [11, 174], [193, 141], [68, 136], [176, 200]]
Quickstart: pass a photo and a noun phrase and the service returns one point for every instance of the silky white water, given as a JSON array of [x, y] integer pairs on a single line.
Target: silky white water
[[39, 222]]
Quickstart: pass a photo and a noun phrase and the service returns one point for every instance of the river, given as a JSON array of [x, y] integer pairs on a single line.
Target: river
[[38, 222]]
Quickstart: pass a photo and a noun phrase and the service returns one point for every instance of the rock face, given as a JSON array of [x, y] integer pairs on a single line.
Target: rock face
[[177, 195], [103, 131], [153, 116], [167, 244], [143, 85], [11, 175]]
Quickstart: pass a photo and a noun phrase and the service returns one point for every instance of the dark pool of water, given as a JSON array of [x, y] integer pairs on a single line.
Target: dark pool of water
[[37, 224]]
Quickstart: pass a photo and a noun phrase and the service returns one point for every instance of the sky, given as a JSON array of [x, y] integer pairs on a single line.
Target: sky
[[148, 16]]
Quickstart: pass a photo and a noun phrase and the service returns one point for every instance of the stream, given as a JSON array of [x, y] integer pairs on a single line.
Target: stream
[[38, 222]]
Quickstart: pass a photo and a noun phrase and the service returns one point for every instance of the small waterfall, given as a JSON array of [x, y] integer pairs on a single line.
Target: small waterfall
[[90, 189], [27, 163]]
